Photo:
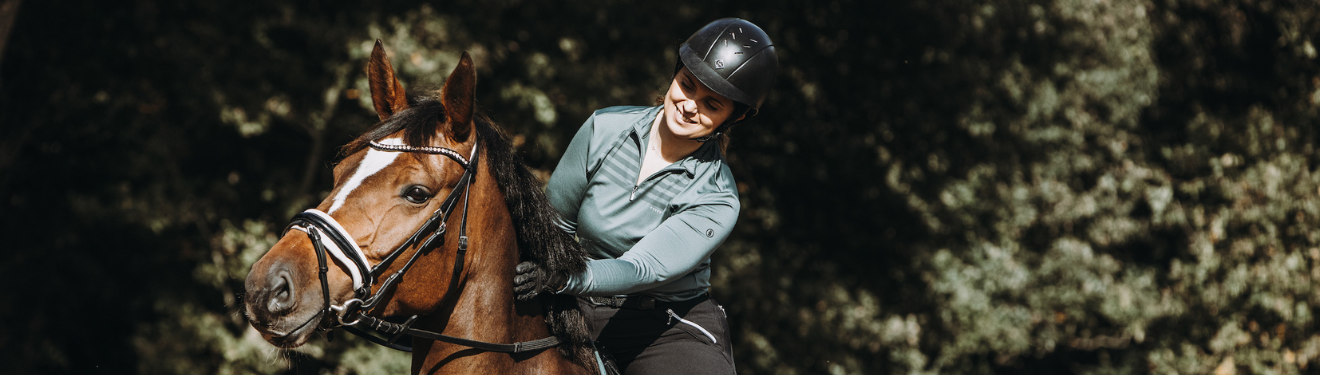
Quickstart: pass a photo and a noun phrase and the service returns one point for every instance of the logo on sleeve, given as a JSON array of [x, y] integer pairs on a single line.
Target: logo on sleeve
[[710, 233]]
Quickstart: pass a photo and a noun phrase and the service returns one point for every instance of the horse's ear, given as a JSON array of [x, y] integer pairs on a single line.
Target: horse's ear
[[387, 94], [458, 96]]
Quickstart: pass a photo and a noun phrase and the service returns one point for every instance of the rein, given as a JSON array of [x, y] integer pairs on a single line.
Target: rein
[[328, 236]]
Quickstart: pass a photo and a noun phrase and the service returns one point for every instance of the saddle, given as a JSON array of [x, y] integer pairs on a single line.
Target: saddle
[[604, 361]]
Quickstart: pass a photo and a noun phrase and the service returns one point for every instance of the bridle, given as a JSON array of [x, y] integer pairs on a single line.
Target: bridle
[[328, 236]]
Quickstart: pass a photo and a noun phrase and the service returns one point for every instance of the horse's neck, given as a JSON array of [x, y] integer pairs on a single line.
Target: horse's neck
[[485, 311], [485, 308]]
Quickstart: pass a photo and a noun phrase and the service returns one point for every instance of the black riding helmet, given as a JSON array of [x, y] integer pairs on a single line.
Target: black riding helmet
[[734, 58]]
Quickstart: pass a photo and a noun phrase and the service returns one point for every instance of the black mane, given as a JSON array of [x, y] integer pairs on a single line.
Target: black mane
[[539, 239]]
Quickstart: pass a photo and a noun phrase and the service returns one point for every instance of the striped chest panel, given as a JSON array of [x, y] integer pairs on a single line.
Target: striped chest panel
[[617, 212]]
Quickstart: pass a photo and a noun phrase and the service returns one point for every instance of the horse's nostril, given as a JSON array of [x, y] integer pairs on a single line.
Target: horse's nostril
[[282, 288], [282, 294]]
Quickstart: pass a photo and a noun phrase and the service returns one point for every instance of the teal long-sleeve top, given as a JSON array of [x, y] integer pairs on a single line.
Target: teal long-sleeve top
[[653, 238]]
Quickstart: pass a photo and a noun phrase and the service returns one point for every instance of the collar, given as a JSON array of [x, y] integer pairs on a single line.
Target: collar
[[709, 151]]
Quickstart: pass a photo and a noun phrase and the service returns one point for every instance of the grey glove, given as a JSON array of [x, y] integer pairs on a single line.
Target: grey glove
[[530, 279]]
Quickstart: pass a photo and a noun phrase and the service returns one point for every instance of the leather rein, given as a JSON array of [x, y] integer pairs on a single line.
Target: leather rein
[[329, 237]]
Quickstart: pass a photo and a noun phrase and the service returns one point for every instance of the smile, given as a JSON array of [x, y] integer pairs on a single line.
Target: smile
[[678, 118]]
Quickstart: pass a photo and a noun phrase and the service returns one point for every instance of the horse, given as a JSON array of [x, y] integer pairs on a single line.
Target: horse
[[387, 206]]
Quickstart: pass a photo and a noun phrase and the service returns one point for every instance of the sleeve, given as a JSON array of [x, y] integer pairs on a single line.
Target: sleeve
[[568, 183], [672, 250]]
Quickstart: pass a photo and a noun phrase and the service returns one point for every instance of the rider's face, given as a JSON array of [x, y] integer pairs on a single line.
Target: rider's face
[[693, 110]]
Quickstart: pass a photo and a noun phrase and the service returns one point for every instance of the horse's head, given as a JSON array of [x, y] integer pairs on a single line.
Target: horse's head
[[381, 198]]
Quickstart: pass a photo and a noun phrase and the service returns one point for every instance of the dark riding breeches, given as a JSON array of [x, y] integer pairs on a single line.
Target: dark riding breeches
[[689, 337]]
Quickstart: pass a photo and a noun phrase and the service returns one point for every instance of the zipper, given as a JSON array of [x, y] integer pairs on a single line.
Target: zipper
[[673, 316], [670, 168]]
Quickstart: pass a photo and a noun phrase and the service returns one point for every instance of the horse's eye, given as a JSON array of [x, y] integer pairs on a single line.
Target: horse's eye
[[417, 194]]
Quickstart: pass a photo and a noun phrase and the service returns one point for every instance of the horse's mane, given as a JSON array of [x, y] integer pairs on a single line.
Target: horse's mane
[[539, 239]]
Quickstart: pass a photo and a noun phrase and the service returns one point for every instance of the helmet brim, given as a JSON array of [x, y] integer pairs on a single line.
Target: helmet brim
[[713, 80]]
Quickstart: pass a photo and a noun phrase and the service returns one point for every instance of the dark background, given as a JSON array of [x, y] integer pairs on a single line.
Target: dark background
[[1067, 186]]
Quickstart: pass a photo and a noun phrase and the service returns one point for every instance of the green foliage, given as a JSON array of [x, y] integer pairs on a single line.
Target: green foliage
[[1054, 186]]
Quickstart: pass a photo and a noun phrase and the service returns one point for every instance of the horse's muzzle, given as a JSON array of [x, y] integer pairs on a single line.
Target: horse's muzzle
[[281, 300], [276, 295]]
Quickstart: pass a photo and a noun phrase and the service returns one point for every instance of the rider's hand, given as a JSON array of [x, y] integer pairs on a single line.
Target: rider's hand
[[530, 280]]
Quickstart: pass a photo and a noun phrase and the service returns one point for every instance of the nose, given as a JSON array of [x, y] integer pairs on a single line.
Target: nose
[[282, 293], [688, 107], [277, 295]]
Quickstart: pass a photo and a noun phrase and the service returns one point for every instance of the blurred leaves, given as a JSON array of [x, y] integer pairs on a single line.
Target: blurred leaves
[[1053, 186]]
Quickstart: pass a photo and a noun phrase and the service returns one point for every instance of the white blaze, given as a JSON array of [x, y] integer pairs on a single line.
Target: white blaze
[[374, 162]]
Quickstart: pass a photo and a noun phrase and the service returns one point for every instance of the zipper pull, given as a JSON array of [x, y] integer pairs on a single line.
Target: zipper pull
[[670, 321], [634, 194]]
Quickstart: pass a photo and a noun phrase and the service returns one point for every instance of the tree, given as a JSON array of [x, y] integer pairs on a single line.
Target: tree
[[970, 186]]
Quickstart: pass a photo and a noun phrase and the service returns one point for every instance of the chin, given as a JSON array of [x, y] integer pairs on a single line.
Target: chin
[[289, 331], [685, 131], [688, 135]]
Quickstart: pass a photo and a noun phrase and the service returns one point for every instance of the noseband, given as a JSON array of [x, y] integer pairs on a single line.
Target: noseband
[[328, 236]]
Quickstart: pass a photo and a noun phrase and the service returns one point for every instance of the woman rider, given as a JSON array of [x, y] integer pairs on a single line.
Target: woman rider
[[650, 197]]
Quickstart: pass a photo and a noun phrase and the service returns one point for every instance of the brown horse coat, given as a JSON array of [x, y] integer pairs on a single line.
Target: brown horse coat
[[381, 197]]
